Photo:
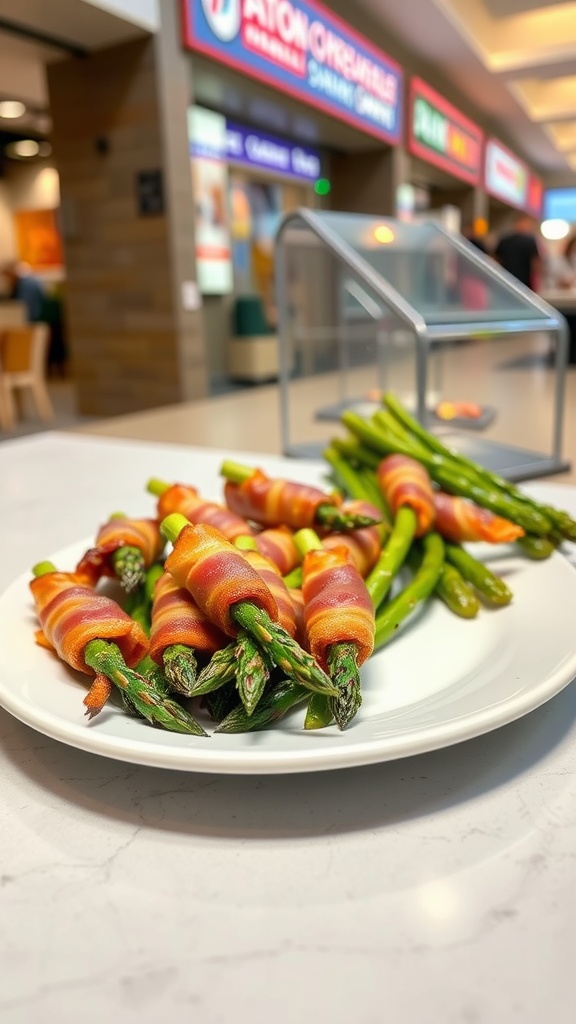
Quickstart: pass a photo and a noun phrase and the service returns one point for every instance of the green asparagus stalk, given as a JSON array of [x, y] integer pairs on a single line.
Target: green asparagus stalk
[[491, 587], [393, 556], [389, 619], [319, 712], [281, 649], [457, 593]]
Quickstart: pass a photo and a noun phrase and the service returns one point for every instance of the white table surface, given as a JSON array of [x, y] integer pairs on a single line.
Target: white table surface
[[437, 888]]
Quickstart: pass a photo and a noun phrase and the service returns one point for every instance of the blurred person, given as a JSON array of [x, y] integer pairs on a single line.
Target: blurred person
[[25, 287], [518, 252], [472, 236]]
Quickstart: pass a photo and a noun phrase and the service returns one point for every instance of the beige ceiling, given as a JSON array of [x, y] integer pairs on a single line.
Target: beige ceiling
[[513, 59]]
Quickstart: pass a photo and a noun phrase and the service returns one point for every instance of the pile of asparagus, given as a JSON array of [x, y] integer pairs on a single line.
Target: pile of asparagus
[[445, 568]]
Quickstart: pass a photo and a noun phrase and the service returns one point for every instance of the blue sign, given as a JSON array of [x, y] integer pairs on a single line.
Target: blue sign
[[301, 48], [560, 204], [254, 149]]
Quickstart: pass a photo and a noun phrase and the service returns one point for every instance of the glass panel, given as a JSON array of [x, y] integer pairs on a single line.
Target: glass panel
[[447, 281]]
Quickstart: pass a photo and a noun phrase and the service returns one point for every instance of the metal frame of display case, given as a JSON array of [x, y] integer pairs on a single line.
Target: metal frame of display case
[[547, 320]]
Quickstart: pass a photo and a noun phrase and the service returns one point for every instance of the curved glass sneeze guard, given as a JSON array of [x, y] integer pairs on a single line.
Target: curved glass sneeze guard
[[367, 303]]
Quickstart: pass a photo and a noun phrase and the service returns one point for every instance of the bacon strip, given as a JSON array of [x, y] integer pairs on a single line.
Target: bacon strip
[[337, 606], [276, 502], [365, 545], [458, 520], [143, 534], [277, 543], [186, 500], [177, 619], [72, 614], [272, 577], [404, 481], [217, 575]]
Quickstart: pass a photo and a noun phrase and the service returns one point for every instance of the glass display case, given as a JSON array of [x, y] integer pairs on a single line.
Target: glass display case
[[368, 304]]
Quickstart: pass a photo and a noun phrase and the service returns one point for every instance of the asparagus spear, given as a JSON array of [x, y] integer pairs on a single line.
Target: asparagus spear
[[419, 589], [274, 704], [488, 585], [342, 661], [393, 556]]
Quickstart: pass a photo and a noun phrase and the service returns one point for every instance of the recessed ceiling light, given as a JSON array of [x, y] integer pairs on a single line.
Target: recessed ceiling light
[[23, 149], [11, 108]]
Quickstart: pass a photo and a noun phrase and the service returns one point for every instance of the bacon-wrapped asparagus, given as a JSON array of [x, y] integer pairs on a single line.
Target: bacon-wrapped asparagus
[[407, 490], [124, 548], [185, 499], [255, 496], [92, 634], [179, 631], [459, 520], [277, 543], [232, 594], [365, 545], [339, 620]]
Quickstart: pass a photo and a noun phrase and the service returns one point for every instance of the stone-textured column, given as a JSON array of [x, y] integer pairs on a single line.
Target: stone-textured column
[[117, 113]]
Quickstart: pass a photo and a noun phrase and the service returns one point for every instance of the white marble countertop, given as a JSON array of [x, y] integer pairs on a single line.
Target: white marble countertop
[[440, 887]]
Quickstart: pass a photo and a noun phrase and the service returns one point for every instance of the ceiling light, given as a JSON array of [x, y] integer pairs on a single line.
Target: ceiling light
[[11, 108], [23, 149], [555, 229]]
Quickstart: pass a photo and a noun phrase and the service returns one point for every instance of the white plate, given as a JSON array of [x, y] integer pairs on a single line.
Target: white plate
[[442, 680]]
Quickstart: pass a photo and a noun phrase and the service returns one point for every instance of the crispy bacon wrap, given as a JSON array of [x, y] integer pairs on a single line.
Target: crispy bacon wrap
[[72, 614], [277, 543], [276, 502], [404, 481], [459, 520], [217, 575], [177, 619], [364, 545], [186, 500], [273, 580], [120, 532], [337, 606]]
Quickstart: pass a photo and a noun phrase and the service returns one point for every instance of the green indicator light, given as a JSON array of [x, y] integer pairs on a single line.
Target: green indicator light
[[322, 187]]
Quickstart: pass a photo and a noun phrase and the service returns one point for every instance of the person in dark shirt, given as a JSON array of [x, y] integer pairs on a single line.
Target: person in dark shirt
[[518, 253], [26, 288]]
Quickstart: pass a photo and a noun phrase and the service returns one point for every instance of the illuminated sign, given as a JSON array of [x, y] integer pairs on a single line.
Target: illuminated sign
[[209, 170], [256, 149], [505, 176], [441, 135], [560, 204], [535, 196], [301, 48]]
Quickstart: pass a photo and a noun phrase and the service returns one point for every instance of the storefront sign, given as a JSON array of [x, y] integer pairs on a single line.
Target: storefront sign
[[560, 204], [301, 48], [207, 134], [506, 177], [535, 196], [254, 149], [439, 134]]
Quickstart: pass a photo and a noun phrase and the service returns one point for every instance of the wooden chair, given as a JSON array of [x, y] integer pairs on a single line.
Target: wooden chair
[[23, 353]]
